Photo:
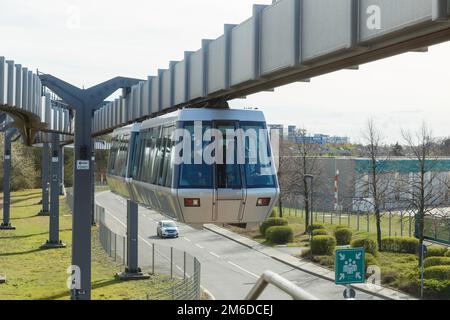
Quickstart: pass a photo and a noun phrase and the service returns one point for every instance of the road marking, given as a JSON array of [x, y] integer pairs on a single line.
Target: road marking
[[239, 267], [214, 254], [199, 246], [188, 240]]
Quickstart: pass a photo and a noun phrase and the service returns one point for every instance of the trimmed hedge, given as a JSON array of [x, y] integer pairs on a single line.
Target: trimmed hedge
[[280, 234], [370, 260], [343, 236], [436, 261], [435, 289], [437, 273], [315, 226], [447, 254], [319, 232], [323, 245], [369, 245], [400, 244], [436, 251], [274, 213], [272, 222]]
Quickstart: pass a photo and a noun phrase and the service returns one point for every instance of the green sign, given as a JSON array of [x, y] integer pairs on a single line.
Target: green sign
[[350, 266]]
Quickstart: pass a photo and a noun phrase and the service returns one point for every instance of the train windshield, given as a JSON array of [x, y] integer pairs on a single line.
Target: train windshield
[[241, 156]]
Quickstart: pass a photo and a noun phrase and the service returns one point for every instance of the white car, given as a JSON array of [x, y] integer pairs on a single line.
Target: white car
[[167, 229]]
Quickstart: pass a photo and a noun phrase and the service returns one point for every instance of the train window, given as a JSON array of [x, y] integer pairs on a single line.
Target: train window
[[153, 165], [258, 165], [135, 154], [168, 167], [195, 176], [228, 174]]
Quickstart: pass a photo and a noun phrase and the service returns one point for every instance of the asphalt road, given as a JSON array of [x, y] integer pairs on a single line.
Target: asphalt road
[[229, 270]]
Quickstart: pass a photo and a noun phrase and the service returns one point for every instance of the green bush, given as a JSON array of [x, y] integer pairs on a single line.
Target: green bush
[[343, 236], [447, 254], [306, 252], [280, 234], [369, 245], [400, 244], [436, 261], [341, 227], [436, 251], [315, 226], [274, 213], [370, 260], [272, 222], [323, 245], [437, 273], [435, 289], [319, 232]]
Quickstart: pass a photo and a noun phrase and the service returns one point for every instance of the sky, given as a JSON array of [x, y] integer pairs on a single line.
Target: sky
[[86, 42]]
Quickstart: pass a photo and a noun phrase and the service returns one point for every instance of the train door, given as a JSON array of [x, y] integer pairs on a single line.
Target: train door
[[229, 191]]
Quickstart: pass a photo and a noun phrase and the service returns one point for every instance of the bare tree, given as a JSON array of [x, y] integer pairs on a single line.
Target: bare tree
[[427, 184], [304, 162], [379, 181]]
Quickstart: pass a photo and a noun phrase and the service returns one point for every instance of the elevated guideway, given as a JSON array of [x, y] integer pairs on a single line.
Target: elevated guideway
[[289, 41]]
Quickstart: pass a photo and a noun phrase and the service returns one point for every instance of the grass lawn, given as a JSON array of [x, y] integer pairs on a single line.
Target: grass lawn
[[41, 274]]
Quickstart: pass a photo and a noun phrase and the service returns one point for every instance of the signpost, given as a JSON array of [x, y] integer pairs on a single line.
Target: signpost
[[423, 253], [350, 268]]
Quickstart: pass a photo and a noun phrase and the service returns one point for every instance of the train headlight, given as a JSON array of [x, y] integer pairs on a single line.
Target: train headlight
[[263, 202], [192, 202]]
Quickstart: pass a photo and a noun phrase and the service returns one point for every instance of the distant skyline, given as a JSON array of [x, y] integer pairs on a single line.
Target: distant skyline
[[88, 41]]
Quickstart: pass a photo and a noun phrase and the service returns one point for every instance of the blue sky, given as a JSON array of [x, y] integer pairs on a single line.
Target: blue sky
[[86, 42]]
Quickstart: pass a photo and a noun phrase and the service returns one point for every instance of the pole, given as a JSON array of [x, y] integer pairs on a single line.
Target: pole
[[422, 254], [62, 190], [132, 271], [45, 181], [82, 199], [93, 182], [53, 242], [6, 224]]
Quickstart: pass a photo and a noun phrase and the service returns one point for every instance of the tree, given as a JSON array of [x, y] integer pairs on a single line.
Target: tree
[[425, 186], [304, 162], [379, 181], [397, 150]]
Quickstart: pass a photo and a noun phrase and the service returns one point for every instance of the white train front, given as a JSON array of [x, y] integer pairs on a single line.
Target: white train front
[[239, 187]]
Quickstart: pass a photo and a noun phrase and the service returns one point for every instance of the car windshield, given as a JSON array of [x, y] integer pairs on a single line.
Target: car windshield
[[169, 225]]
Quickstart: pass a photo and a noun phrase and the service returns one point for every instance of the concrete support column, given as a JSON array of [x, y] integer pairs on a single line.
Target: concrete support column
[[45, 181], [132, 271], [54, 241], [6, 224], [62, 189], [93, 184]]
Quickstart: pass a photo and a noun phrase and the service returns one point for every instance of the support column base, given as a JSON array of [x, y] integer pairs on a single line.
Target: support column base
[[2, 279], [7, 227], [127, 276], [43, 213], [53, 245]]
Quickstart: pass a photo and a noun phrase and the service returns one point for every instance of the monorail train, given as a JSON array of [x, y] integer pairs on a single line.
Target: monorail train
[[143, 166]]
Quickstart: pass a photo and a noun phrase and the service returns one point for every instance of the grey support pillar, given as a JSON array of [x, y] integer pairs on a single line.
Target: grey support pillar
[[54, 241], [93, 184], [45, 181], [84, 101], [62, 189], [132, 271], [6, 224]]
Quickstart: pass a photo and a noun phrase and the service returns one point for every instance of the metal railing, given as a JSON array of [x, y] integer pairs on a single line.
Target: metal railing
[[281, 283], [180, 267]]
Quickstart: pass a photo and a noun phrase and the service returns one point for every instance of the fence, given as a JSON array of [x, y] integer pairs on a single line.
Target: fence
[[437, 229], [180, 267]]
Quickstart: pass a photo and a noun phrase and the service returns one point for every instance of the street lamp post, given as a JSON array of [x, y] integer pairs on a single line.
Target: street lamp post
[[309, 179]]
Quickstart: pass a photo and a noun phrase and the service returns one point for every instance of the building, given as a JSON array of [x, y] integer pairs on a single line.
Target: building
[[352, 176], [291, 133]]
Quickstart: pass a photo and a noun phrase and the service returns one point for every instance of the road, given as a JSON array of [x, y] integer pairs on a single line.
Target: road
[[229, 270]]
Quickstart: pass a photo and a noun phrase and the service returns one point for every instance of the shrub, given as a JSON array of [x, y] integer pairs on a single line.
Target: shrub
[[315, 226], [436, 251], [319, 232], [447, 254], [400, 244], [437, 273], [436, 261], [327, 261], [280, 234], [389, 275], [341, 227], [370, 260], [369, 245], [271, 222], [435, 289], [343, 236], [274, 213], [306, 252], [323, 245]]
